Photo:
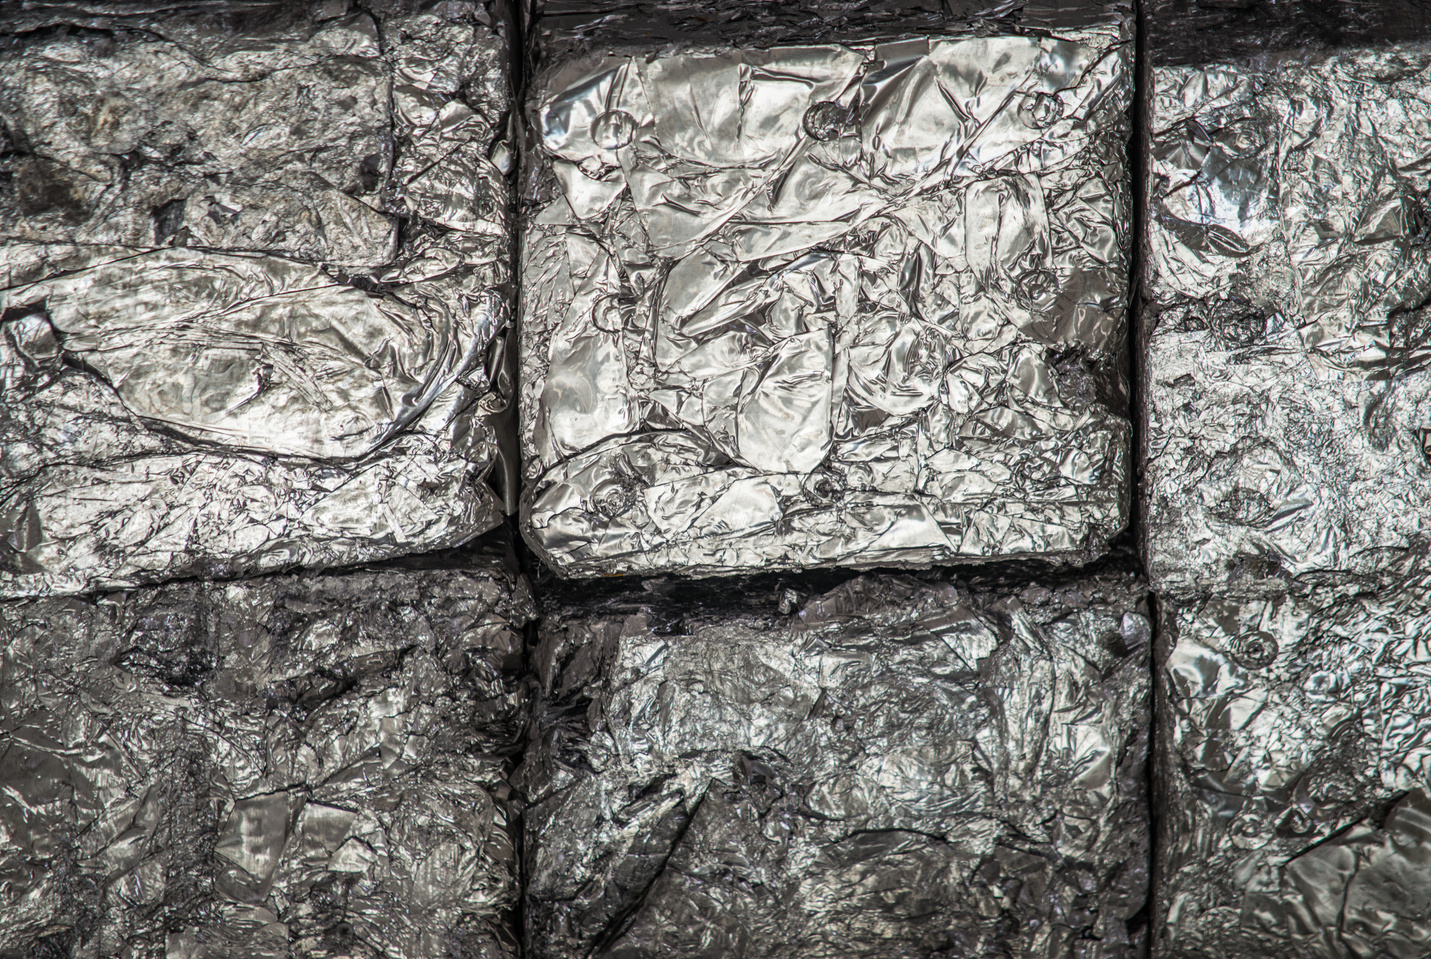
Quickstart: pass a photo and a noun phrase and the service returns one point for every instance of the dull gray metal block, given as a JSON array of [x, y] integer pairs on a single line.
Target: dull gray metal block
[[897, 767], [1294, 806], [289, 765]]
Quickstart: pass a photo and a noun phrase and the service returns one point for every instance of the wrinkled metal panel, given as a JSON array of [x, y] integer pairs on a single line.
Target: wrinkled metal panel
[[255, 264], [806, 289], [1295, 806], [895, 767], [1286, 328], [289, 765]]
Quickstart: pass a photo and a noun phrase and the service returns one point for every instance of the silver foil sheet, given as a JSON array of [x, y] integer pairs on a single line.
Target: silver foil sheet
[[276, 767], [1288, 280], [897, 767], [1295, 758], [255, 265], [808, 288]]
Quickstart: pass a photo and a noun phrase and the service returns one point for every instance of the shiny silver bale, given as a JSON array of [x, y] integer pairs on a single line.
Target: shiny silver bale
[[273, 767], [896, 767], [805, 289], [255, 264], [1288, 275], [1295, 776]]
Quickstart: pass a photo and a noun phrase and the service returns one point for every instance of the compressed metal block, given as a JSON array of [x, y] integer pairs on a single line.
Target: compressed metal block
[[902, 767], [218, 352], [1286, 328], [808, 287], [283, 766], [1294, 806]]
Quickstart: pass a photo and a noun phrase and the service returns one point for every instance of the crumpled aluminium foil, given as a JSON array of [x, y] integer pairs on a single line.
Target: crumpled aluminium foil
[[856, 302], [1286, 333], [902, 767], [254, 282], [1294, 760], [283, 766]]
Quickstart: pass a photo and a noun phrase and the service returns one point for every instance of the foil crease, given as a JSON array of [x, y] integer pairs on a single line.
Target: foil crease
[[275, 767], [1285, 334], [895, 767], [255, 268], [851, 302], [1294, 804]]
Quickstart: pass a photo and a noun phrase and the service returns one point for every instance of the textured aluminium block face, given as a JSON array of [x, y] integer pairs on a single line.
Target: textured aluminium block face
[[900, 768], [1294, 760], [274, 767], [1285, 337], [848, 302], [216, 355]]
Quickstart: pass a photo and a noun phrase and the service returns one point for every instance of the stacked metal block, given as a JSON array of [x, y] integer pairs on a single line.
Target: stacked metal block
[[712, 306], [288, 765], [1286, 276], [806, 290], [895, 767], [256, 267]]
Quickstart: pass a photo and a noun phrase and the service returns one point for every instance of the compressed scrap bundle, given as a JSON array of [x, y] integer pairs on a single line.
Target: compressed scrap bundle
[[902, 767], [808, 284], [1295, 776], [254, 269], [1287, 333], [284, 766]]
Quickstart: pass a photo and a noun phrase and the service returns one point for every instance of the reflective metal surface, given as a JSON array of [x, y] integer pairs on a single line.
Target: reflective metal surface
[[275, 767], [254, 282], [896, 767], [1287, 329], [1295, 802], [851, 302]]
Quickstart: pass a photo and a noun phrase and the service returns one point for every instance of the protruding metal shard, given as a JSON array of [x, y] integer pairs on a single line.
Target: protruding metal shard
[[897, 767], [289, 765], [808, 290], [216, 356]]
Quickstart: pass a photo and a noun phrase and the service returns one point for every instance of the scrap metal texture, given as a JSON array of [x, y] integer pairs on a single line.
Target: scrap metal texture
[[278, 767], [896, 767], [1287, 331], [255, 265], [808, 288], [1294, 762]]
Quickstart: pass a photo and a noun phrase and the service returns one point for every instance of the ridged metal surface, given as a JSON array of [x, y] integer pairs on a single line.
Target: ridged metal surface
[[254, 283], [895, 767], [858, 301], [275, 767]]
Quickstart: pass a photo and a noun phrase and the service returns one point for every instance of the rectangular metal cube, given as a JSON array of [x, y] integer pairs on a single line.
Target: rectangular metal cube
[[219, 354], [809, 287], [1294, 755], [1285, 330], [282, 766], [896, 767]]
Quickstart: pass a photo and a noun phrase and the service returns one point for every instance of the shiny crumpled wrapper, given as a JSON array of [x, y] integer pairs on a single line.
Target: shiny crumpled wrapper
[[806, 288], [283, 766], [1287, 327], [255, 265], [1295, 805], [896, 767]]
